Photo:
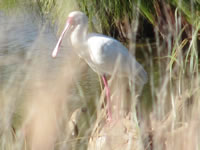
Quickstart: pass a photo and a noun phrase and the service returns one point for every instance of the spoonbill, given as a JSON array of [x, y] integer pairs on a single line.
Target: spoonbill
[[103, 54]]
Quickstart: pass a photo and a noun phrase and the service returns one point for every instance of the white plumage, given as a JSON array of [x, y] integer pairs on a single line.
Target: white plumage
[[103, 54], [107, 54]]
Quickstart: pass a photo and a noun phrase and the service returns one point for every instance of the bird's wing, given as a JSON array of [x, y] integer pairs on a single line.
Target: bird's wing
[[109, 54], [104, 49]]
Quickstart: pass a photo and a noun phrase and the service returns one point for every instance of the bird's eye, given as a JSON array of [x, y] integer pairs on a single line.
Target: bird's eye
[[71, 21]]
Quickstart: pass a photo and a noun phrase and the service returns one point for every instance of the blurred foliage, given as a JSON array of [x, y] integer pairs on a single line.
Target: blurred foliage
[[8, 4], [146, 8], [116, 17], [45, 5], [109, 17], [176, 22]]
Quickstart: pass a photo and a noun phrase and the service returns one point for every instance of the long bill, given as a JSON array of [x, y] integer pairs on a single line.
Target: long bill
[[55, 51]]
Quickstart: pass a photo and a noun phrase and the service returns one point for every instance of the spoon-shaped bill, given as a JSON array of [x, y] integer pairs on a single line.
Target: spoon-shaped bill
[[55, 51]]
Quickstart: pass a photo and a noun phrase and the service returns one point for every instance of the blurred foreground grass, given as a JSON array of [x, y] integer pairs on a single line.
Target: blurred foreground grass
[[65, 110]]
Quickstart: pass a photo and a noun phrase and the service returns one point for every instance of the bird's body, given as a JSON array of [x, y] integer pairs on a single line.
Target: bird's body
[[109, 56], [103, 54]]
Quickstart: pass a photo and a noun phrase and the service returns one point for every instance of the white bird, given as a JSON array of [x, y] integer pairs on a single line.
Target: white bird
[[103, 54]]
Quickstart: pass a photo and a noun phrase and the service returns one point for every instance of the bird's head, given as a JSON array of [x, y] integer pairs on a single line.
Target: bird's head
[[75, 19]]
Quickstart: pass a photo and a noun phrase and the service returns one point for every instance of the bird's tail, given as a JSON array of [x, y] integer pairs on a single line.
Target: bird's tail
[[140, 76]]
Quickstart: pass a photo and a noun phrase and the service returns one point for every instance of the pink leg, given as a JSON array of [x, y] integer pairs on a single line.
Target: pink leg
[[109, 113]]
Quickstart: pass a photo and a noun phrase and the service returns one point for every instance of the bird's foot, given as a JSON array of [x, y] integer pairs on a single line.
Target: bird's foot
[[109, 117], [110, 122]]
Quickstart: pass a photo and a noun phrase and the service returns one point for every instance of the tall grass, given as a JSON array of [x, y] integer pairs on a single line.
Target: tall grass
[[59, 104]]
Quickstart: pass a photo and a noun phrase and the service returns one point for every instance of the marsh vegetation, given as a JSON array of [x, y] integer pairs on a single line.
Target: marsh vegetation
[[59, 103]]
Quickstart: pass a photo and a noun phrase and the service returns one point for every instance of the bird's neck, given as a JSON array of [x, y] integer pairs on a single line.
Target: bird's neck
[[78, 36]]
